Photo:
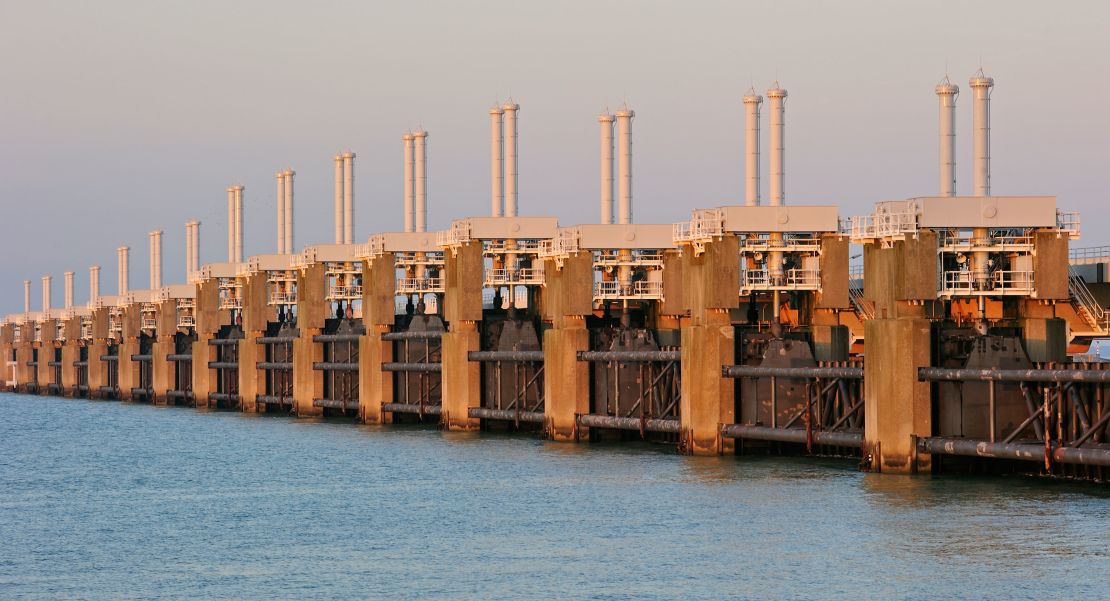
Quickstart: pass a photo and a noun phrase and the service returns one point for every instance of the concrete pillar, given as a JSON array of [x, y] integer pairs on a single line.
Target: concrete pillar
[[46, 355], [98, 376], [71, 350], [202, 376], [378, 314], [257, 315], [461, 378], [128, 376], [209, 318], [897, 407], [711, 286], [161, 370], [567, 300], [312, 310]]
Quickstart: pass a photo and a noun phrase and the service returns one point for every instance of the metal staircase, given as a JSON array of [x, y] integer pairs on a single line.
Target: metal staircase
[[1087, 306], [865, 309]]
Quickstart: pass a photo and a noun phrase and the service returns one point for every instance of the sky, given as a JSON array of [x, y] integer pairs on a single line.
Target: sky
[[117, 118]]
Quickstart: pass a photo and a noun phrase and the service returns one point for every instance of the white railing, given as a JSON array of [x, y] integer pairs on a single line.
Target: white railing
[[278, 297], [966, 240], [337, 292], [186, 320], [701, 227], [228, 301], [1068, 221], [86, 328], [1086, 304], [564, 243], [515, 246], [419, 285], [883, 225], [514, 277], [984, 282], [643, 289], [149, 323], [790, 279], [458, 234], [1089, 254]]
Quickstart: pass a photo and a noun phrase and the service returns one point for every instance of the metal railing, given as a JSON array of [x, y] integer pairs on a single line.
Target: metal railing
[[1089, 254], [994, 282], [702, 227], [514, 277], [337, 292], [883, 225], [1086, 305], [419, 285], [643, 290], [793, 279], [279, 297], [1068, 221]]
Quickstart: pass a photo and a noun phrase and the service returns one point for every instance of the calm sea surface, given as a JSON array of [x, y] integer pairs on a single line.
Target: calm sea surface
[[103, 500]]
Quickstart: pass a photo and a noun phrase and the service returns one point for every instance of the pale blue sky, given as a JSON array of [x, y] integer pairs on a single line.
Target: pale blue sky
[[121, 117]]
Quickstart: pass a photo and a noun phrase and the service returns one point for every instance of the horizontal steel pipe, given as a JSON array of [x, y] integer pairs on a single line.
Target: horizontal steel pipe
[[270, 399], [109, 357], [178, 394], [593, 420], [142, 357], [274, 339], [80, 363], [223, 341], [223, 365], [222, 396], [510, 356], [334, 404], [108, 390], [147, 392], [32, 364], [419, 335], [81, 388], [934, 374], [421, 367], [333, 366], [965, 447], [509, 415], [794, 435], [411, 408], [336, 337], [275, 365], [54, 363], [747, 371], [180, 358], [630, 356]]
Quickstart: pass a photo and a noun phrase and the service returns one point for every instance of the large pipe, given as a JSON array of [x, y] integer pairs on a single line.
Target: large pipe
[[624, 164], [94, 284], [46, 292], [238, 224], [290, 247], [124, 269], [348, 197], [752, 102], [69, 290], [497, 163], [947, 93], [605, 120], [338, 198], [410, 184], [26, 296], [420, 180], [777, 186], [155, 259], [281, 213], [981, 86], [231, 224], [510, 159]]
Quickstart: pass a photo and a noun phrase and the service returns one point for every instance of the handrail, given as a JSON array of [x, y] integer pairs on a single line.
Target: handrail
[[1084, 300]]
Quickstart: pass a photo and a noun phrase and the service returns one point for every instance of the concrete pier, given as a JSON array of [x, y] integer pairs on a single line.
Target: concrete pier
[[461, 377], [567, 301]]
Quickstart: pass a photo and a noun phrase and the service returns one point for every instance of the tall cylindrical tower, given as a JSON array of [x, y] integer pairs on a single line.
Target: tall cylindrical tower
[[981, 87], [281, 213], [605, 121], [69, 290], [510, 158], [752, 103], [624, 164], [339, 199], [238, 224], [231, 224], [124, 267], [420, 180], [155, 259], [947, 93], [496, 161], [290, 247], [196, 247], [410, 183], [777, 186], [94, 284], [26, 296], [46, 292], [348, 197]]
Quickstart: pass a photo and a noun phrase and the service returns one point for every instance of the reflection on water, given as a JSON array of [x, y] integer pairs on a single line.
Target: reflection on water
[[106, 500]]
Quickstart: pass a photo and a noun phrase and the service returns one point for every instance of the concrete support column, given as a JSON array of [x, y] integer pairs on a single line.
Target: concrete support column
[[708, 399], [250, 377], [308, 383], [98, 376], [202, 376], [161, 370], [24, 353], [375, 385], [897, 407], [70, 352], [128, 376], [462, 378], [566, 380]]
